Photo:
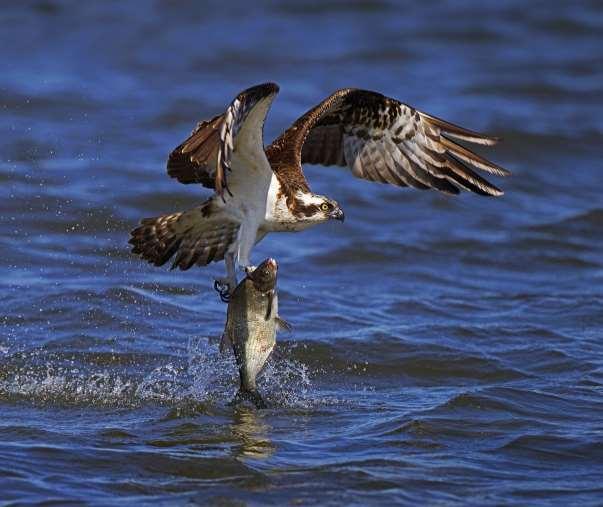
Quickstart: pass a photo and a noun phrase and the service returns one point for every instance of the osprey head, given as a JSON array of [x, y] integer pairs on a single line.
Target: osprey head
[[317, 208]]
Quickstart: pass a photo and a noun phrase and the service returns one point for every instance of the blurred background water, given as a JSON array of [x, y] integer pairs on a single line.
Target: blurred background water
[[445, 350]]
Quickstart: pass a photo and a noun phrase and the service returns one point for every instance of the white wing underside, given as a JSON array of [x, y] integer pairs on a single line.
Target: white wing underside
[[225, 153], [249, 179]]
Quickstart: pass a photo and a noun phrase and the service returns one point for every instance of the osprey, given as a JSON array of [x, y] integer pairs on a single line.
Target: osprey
[[259, 190]]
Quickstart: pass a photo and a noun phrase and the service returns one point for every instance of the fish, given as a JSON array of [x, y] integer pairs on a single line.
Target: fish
[[252, 322]]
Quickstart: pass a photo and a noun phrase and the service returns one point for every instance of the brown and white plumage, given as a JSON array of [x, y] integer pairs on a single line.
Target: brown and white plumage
[[381, 139], [190, 237], [259, 190], [206, 156], [226, 154]]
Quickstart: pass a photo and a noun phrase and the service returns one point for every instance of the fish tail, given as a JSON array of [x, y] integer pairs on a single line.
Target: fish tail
[[251, 396]]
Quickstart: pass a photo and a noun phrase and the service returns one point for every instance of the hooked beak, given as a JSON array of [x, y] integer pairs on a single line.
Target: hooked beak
[[338, 214]]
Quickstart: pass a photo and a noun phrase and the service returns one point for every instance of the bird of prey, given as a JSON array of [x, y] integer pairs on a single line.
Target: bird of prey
[[260, 189]]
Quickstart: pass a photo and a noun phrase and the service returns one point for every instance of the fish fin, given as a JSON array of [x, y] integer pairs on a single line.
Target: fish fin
[[270, 304], [283, 325], [251, 396], [225, 343]]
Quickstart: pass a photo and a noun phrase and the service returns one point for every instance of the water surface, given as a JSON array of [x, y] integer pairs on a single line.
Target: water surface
[[446, 350]]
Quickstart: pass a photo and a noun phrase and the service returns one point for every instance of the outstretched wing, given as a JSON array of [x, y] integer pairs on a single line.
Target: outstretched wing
[[206, 156], [381, 139], [197, 236]]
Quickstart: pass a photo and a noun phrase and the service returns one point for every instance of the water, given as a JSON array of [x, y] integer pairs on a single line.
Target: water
[[446, 351]]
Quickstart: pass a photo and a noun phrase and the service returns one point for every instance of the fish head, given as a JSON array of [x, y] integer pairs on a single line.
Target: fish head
[[264, 276]]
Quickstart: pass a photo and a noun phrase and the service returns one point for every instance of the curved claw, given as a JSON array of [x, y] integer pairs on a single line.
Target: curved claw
[[223, 290]]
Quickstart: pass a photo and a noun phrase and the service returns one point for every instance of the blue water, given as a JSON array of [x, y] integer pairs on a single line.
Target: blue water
[[446, 350]]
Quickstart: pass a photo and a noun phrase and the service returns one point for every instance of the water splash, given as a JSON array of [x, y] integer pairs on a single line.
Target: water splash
[[205, 376], [164, 384], [214, 375], [59, 385], [284, 382]]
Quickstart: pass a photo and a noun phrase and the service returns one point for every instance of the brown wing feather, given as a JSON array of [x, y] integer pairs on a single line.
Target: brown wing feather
[[285, 153], [381, 139], [205, 156], [198, 236], [195, 159]]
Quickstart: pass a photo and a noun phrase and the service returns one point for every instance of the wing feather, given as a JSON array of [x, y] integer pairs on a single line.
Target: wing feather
[[205, 157], [469, 179], [198, 236], [384, 140], [472, 158], [460, 133]]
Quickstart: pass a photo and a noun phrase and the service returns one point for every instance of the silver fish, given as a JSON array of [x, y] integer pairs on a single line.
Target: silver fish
[[251, 325]]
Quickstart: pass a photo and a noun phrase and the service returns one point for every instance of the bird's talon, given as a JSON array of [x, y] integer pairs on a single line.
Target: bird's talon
[[223, 289]]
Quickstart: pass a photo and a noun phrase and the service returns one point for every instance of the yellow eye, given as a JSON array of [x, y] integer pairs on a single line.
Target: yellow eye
[[324, 206]]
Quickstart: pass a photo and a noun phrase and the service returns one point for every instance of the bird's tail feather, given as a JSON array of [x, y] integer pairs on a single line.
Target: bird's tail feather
[[198, 236]]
